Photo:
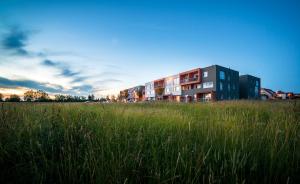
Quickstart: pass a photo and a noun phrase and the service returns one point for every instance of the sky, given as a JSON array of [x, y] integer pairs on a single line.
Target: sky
[[83, 47]]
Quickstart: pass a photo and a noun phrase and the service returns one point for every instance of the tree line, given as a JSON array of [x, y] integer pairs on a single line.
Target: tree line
[[42, 96]]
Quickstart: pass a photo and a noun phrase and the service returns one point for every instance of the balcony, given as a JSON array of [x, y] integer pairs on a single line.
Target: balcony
[[159, 83], [188, 80], [190, 77]]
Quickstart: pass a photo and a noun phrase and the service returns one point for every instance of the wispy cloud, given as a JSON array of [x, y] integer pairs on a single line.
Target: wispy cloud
[[48, 87], [64, 70], [16, 41]]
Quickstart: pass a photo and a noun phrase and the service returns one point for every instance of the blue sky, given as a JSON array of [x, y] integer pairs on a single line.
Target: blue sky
[[100, 47]]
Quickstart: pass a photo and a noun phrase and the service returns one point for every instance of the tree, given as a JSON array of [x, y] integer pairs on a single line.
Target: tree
[[102, 100], [60, 98], [1, 97], [113, 98], [39, 96], [107, 98], [91, 97], [29, 96], [13, 98]]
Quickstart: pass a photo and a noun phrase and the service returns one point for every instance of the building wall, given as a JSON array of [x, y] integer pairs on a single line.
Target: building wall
[[149, 91], [227, 84], [133, 93], [249, 87], [172, 86]]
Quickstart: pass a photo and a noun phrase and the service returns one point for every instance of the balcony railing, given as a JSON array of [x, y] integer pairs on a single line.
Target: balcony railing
[[159, 86], [188, 80]]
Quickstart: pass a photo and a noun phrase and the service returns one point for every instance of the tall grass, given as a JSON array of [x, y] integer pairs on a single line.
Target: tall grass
[[231, 142]]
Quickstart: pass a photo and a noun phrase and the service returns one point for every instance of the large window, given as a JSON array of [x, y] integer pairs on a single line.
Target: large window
[[208, 85], [221, 86], [205, 74], [222, 75], [228, 87], [256, 91]]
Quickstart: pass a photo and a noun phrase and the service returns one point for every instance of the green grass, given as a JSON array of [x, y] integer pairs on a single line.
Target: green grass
[[224, 142]]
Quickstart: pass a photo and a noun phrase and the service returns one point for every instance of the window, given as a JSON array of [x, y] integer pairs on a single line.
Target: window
[[256, 83], [222, 75], [208, 85], [233, 86], [205, 74], [176, 81], [198, 86], [221, 86], [256, 91], [229, 87], [177, 88], [228, 77]]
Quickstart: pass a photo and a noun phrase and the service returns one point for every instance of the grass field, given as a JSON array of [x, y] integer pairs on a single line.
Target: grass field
[[224, 142]]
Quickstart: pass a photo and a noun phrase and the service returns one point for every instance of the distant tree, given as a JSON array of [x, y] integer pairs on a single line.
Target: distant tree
[[41, 96], [59, 98], [37, 96], [13, 98], [29, 96], [113, 98], [107, 98], [102, 100], [1, 97], [91, 97]]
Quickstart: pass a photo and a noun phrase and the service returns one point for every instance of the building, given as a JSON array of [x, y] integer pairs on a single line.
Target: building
[[249, 87], [134, 94], [210, 83], [267, 94], [201, 84]]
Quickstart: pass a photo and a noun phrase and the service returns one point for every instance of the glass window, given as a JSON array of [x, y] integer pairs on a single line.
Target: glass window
[[205, 74], [208, 85], [256, 83], [256, 91], [198, 86], [222, 75], [221, 86], [228, 87]]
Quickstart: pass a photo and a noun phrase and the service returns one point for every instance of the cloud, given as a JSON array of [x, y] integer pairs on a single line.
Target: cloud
[[49, 63], [50, 88], [64, 70], [16, 40]]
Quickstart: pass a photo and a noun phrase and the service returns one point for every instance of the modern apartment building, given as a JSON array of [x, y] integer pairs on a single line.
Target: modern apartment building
[[133, 94], [210, 83], [203, 84], [249, 87]]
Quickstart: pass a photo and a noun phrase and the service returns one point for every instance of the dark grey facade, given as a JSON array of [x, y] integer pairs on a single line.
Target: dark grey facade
[[219, 82], [249, 87]]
